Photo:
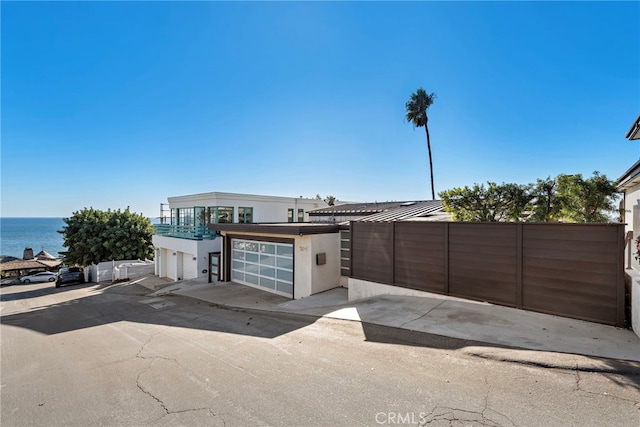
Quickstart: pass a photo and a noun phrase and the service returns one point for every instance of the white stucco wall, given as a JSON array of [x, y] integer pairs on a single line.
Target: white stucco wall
[[182, 266], [360, 289], [302, 250], [632, 220], [311, 278], [633, 277], [325, 277], [632, 209]]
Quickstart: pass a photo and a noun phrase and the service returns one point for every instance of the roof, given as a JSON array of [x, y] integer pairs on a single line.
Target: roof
[[360, 209], [634, 132], [214, 195], [385, 211], [629, 178], [20, 264], [44, 255], [406, 210], [7, 258], [293, 228]]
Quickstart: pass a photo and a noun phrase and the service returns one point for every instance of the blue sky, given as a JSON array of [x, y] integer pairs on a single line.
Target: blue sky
[[116, 104]]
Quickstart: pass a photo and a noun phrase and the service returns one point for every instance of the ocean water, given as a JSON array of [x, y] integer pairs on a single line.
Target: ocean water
[[36, 233]]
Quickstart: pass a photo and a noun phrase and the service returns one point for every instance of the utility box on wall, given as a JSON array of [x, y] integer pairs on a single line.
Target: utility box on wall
[[321, 258]]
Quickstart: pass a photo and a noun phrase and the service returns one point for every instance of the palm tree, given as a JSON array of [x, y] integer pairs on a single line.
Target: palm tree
[[417, 108]]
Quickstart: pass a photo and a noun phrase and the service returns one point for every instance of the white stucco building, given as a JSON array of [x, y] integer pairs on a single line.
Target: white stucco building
[[186, 247], [629, 185]]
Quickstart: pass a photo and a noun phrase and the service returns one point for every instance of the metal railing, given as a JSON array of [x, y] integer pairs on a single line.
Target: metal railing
[[191, 232]]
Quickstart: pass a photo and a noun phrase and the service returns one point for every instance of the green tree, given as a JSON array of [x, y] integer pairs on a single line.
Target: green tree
[[546, 204], [93, 236], [416, 113], [587, 200], [569, 198], [493, 203]]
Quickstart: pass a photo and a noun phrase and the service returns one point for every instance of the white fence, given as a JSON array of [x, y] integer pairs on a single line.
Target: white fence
[[116, 270]]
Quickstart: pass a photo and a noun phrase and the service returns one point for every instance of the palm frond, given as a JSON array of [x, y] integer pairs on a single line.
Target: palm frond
[[417, 107]]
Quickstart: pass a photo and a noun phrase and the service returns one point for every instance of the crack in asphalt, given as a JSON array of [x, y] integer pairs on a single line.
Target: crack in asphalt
[[142, 389], [156, 398], [486, 396], [578, 379], [455, 416], [603, 394]]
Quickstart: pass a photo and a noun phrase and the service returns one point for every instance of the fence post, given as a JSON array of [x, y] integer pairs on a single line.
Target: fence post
[[393, 253], [519, 252], [351, 249], [446, 258], [620, 286]]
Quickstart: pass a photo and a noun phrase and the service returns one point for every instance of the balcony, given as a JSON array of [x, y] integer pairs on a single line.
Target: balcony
[[191, 232]]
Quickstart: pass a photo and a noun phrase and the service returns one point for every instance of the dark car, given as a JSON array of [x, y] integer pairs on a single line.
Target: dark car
[[67, 276]]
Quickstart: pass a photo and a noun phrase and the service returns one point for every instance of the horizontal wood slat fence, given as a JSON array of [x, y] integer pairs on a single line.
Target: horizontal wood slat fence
[[570, 270]]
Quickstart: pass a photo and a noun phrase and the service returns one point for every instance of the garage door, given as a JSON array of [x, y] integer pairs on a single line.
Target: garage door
[[263, 265]]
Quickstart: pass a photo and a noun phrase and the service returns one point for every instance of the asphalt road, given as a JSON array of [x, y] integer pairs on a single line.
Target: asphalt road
[[112, 356]]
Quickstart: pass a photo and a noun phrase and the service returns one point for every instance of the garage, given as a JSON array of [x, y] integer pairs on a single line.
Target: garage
[[264, 265]]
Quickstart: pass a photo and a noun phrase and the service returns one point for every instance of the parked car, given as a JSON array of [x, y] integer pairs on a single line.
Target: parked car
[[70, 275], [44, 276], [8, 281]]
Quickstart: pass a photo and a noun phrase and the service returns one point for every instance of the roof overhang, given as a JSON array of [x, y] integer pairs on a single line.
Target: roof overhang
[[630, 178], [634, 132], [288, 229]]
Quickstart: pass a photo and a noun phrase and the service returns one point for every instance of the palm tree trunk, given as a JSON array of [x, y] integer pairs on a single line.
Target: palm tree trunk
[[433, 192]]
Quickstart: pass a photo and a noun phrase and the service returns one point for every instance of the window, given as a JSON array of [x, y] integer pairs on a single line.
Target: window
[[204, 216], [300, 215], [245, 215], [224, 214], [290, 215], [185, 216]]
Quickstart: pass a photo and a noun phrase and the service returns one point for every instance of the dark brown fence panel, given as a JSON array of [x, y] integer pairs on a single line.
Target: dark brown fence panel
[[572, 270], [421, 256], [483, 262], [372, 251]]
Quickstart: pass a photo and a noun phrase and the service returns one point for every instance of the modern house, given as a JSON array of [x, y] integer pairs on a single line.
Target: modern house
[[186, 248], [629, 185], [298, 260]]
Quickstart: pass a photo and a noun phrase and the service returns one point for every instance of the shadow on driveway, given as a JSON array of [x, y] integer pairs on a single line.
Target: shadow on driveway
[[92, 305]]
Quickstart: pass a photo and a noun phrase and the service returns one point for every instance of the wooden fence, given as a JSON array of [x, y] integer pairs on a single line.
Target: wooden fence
[[570, 270]]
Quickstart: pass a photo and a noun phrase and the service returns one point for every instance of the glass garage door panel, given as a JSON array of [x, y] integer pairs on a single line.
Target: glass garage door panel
[[264, 265]]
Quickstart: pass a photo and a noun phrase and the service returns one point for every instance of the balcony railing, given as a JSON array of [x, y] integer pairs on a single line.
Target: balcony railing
[[191, 232]]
